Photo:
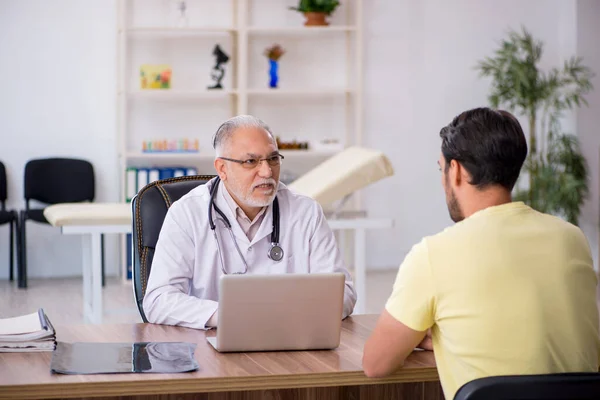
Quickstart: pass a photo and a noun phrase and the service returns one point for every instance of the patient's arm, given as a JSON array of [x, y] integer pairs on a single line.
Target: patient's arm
[[408, 314], [426, 343], [389, 345], [167, 300]]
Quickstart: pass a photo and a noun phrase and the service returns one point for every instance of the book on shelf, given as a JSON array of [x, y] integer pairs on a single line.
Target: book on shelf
[[27, 333]]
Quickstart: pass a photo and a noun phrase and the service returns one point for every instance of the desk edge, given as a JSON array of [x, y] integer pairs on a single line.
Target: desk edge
[[206, 385]]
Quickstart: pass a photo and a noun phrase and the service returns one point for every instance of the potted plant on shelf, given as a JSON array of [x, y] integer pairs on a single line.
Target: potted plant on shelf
[[316, 11], [555, 172]]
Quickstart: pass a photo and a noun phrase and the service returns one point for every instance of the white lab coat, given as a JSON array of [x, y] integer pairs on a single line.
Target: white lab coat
[[183, 284]]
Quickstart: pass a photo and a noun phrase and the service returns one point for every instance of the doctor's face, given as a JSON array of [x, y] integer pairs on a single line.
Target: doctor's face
[[252, 186]]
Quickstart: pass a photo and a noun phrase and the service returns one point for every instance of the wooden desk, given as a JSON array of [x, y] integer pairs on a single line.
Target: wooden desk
[[297, 375]]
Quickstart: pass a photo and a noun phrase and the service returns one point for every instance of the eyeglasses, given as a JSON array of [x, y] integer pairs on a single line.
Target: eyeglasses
[[273, 160]]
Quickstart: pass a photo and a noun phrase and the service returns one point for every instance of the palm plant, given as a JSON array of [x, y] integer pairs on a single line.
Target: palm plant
[[555, 169]]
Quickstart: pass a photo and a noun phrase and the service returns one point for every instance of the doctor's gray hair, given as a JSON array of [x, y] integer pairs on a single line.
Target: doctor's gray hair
[[225, 132]]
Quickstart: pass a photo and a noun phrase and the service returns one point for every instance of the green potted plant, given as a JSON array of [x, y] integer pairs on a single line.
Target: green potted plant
[[555, 174], [316, 11]]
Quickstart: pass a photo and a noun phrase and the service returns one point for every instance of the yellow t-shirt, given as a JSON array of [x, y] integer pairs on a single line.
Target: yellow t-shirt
[[507, 291]]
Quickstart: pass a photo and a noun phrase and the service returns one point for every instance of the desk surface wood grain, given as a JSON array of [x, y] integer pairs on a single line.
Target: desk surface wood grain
[[27, 375]]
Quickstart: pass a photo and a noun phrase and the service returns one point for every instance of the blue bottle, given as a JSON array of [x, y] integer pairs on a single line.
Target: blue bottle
[[273, 73]]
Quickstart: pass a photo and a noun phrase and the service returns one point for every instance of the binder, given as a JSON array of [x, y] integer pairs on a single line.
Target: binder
[[129, 256], [153, 175], [166, 173], [130, 183], [178, 172], [142, 178], [191, 171]]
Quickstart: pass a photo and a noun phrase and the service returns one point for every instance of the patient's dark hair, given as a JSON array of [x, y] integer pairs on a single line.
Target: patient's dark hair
[[490, 144]]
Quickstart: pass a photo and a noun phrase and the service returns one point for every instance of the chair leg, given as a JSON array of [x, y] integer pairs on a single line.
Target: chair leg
[[18, 238], [23, 253], [102, 258], [11, 265]]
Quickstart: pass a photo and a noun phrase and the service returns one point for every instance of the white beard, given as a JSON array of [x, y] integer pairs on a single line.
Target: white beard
[[246, 197]]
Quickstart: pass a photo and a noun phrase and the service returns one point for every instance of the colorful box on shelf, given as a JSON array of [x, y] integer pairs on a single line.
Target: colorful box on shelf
[[155, 76], [171, 146]]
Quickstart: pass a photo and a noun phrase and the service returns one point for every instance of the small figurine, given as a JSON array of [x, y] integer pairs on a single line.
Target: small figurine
[[182, 20], [274, 53], [218, 72]]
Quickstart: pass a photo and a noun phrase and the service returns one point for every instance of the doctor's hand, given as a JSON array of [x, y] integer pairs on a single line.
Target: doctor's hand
[[212, 322], [426, 343]]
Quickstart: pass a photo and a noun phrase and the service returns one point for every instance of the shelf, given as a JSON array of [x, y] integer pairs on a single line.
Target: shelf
[[173, 32], [300, 30], [198, 31], [204, 156], [170, 156], [299, 92], [169, 94]]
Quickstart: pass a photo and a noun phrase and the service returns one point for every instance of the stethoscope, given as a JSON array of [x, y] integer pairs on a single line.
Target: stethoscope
[[275, 252]]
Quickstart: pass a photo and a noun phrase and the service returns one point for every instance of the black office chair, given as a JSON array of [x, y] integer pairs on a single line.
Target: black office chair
[[149, 208], [52, 181], [573, 386], [8, 217]]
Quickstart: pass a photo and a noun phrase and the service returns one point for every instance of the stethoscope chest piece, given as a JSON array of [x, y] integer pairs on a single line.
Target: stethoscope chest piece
[[275, 252]]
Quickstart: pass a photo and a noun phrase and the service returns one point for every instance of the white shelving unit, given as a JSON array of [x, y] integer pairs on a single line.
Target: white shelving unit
[[319, 95]]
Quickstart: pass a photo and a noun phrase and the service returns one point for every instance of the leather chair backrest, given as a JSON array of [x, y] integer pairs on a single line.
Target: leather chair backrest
[[150, 207], [580, 386]]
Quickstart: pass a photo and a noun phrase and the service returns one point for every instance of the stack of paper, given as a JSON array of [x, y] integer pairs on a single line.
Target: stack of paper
[[27, 333]]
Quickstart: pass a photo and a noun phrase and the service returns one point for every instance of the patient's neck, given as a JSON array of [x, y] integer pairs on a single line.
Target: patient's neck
[[481, 199]]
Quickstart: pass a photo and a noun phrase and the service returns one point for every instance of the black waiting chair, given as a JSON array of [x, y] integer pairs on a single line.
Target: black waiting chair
[[52, 181], [8, 217], [573, 386], [149, 208]]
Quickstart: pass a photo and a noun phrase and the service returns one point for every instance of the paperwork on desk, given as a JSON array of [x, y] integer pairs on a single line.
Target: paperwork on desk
[[27, 333]]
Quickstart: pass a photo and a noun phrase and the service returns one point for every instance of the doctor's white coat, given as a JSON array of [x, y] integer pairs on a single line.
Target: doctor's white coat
[[183, 284]]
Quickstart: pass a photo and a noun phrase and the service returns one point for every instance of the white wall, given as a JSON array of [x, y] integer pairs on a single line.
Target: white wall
[[419, 74], [419, 59], [588, 118], [57, 99]]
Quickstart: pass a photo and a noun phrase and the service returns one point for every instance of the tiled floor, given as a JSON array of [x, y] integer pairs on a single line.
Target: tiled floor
[[62, 299]]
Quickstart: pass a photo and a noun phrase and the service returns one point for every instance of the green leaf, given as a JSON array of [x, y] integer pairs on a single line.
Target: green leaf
[[556, 179]]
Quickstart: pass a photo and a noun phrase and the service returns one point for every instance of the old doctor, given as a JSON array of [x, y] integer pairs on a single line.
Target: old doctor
[[243, 221]]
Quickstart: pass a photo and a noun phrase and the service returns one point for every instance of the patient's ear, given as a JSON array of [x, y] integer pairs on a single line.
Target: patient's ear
[[221, 169], [455, 173]]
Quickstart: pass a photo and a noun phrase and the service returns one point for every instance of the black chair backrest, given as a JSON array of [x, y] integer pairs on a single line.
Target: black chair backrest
[[59, 180], [3, 193], [575, 386], [150, 207]]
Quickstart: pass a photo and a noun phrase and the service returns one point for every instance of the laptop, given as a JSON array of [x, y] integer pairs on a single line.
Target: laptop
[[279, 312]]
